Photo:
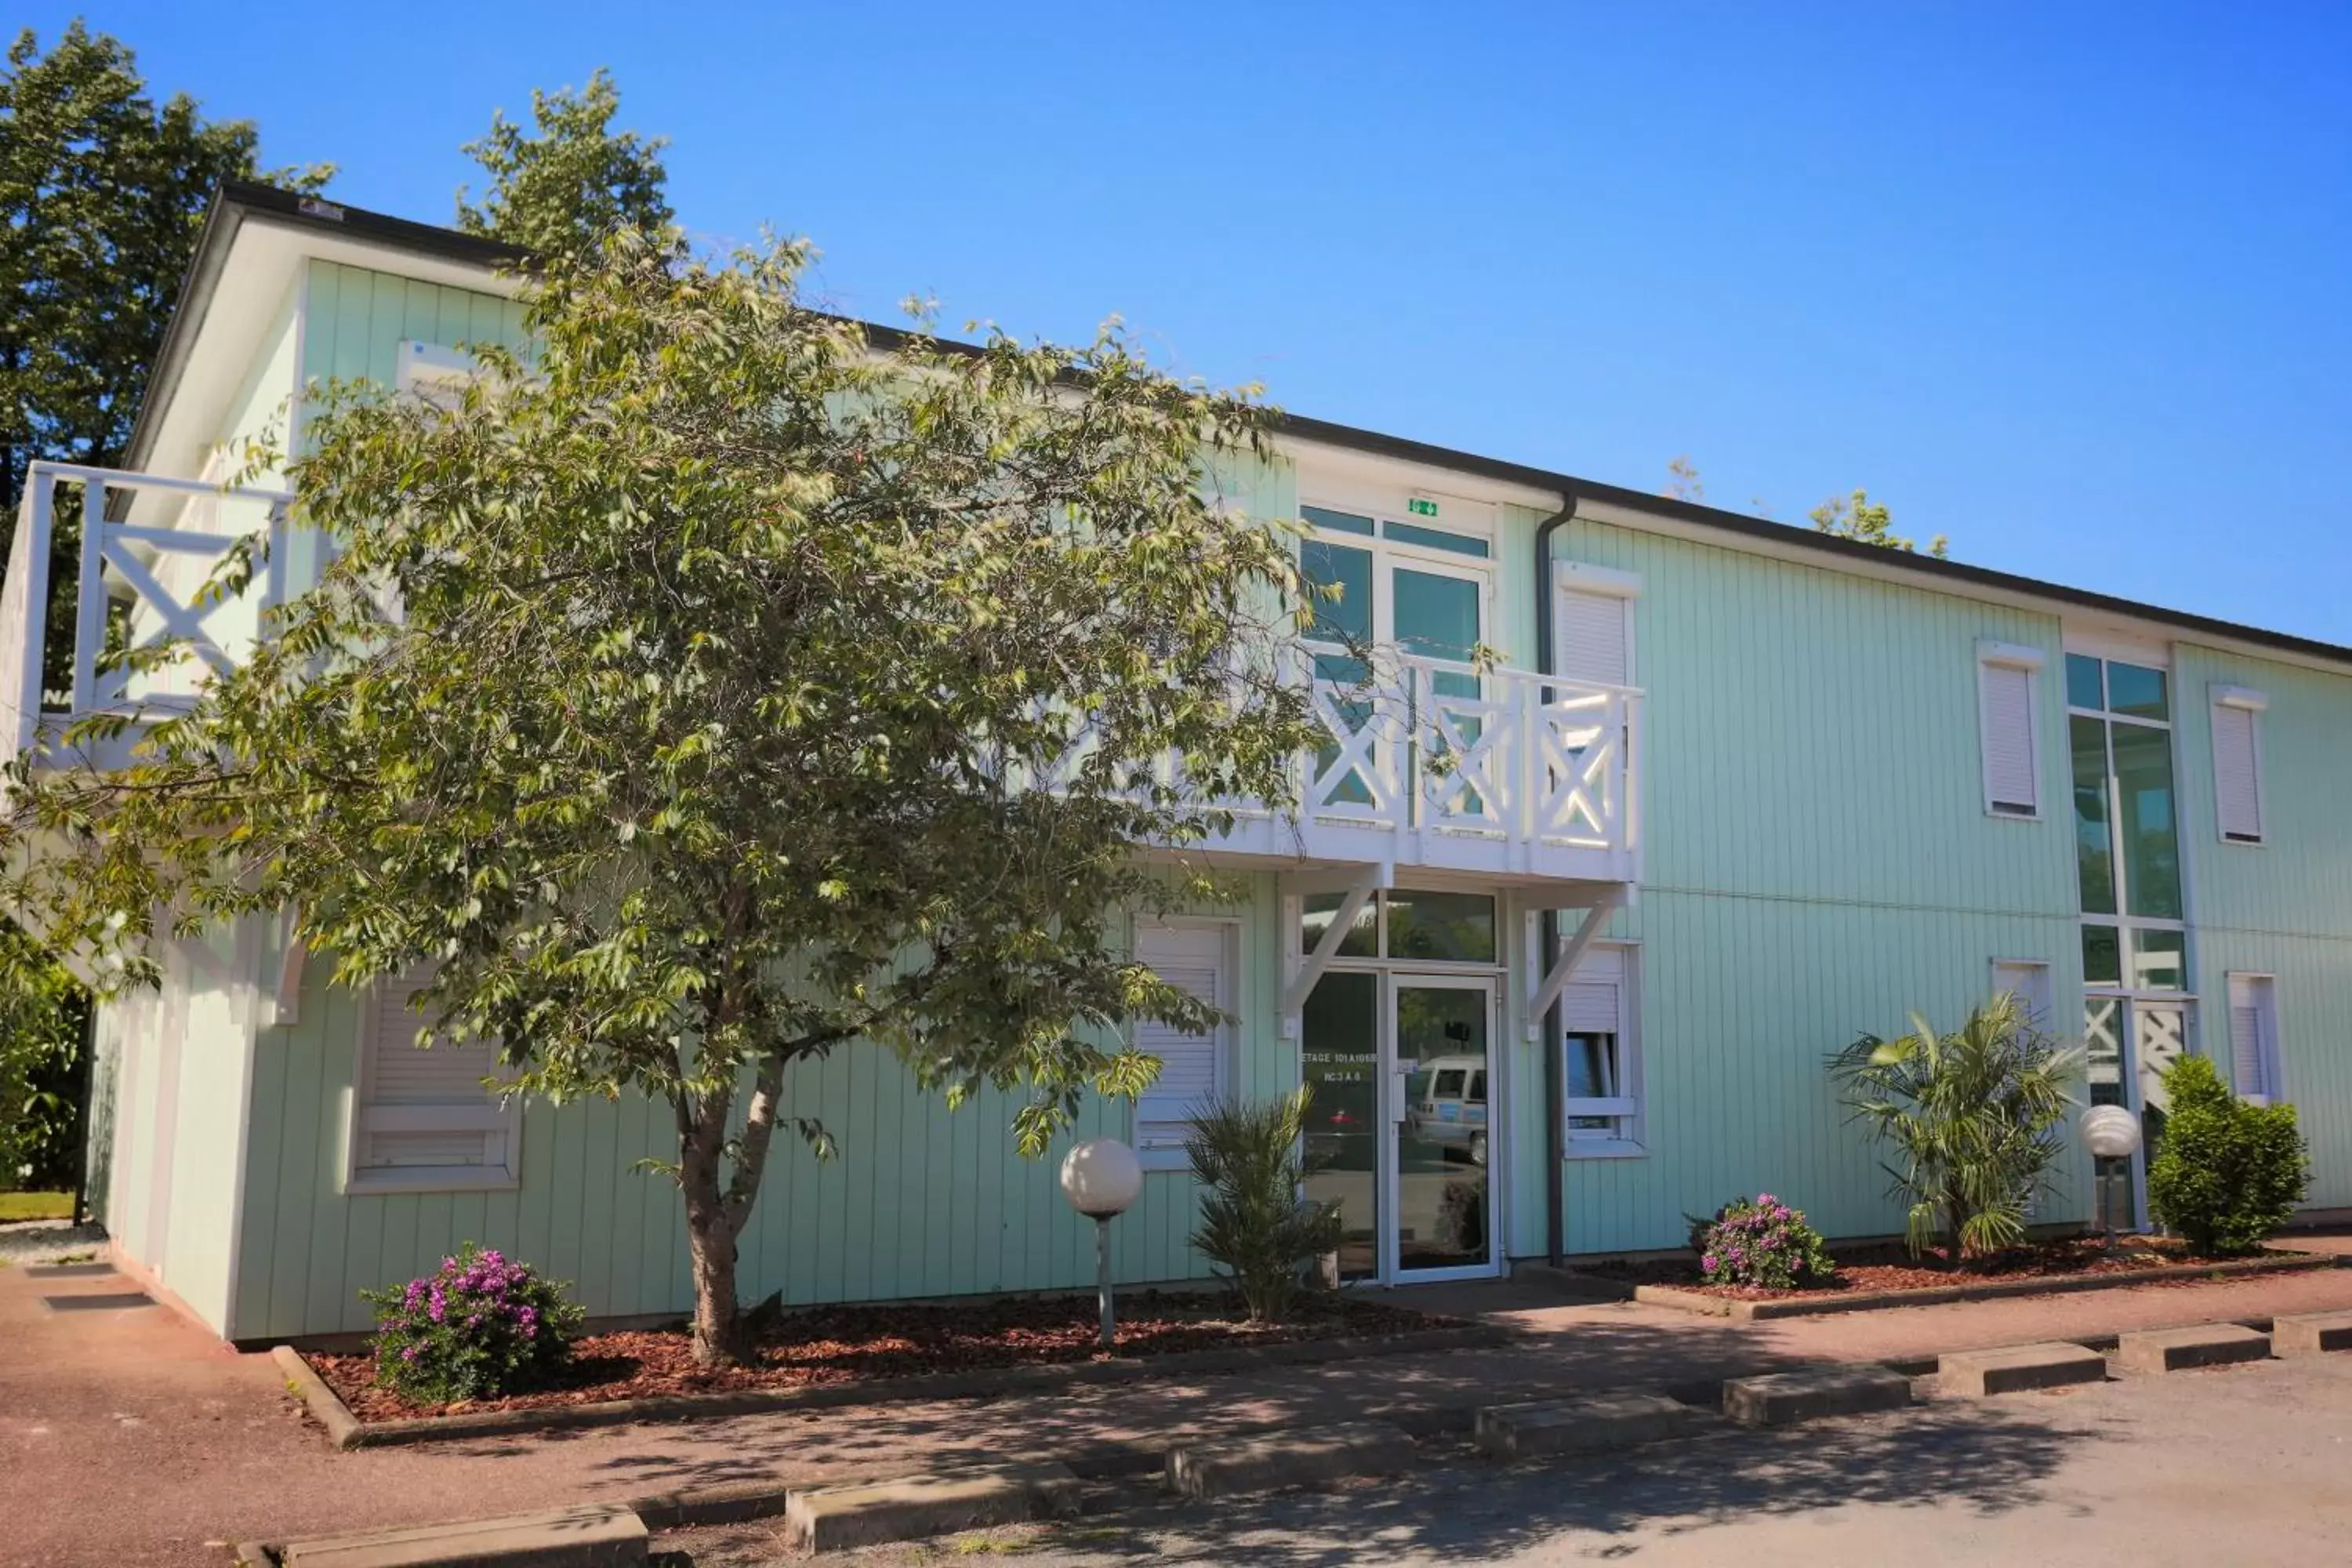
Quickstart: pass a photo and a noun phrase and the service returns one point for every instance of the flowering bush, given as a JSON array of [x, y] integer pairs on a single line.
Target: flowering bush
[[1764, 1242], [478, 1327]]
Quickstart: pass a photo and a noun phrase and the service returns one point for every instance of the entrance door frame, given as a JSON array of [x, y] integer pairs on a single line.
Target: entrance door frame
[[1388, 1173]]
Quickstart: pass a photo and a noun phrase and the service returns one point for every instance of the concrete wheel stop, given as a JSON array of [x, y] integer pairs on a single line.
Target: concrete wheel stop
[[2311, 1333], [2176, 1350], [1782, 1398], [1595, 1424], [2014, 1369], [559, 1538], [1215, 1467]]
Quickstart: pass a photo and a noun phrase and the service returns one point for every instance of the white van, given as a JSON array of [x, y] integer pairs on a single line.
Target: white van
[[1451, 1110]]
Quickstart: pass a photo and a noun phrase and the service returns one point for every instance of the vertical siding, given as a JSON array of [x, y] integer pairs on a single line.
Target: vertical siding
[[1818, 864], [2284, 907]]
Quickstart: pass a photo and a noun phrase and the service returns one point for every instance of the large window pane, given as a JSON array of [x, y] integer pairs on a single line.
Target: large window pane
[[2151, 838], [1363, 940], [2103, 956], [2159, 961], [1455, 928], [2094, 850], [2082, 682], [1348, 618], [1331, 521], [2137, 691]]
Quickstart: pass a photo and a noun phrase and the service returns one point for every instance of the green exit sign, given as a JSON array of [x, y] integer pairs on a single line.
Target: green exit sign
[[1421, 506]]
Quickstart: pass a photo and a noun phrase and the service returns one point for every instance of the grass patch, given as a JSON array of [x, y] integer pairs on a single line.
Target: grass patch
[[34, 1205]]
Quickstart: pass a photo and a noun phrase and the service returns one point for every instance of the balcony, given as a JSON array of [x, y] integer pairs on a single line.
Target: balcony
[[152, 545], [1503, 775]]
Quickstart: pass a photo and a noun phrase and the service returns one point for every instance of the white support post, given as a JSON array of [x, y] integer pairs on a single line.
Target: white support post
[[39, 522], [1555, 980], [90, 597]]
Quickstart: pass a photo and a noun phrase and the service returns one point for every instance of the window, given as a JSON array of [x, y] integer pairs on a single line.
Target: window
[[2127, 827], [1600, 1054], [421, 1119], [1409, 923], [2253, 1037], [1592, 624], [2013, 752], [2027, 980], [2238, 764], [1196, 957]]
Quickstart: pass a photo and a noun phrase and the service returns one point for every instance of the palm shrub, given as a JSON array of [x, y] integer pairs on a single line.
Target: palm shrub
[[1253, 1224], [2227, 1174], [1971, 1118]]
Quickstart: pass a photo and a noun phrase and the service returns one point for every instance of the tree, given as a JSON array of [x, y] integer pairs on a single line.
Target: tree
[[1682, 482], [1972, 1115], [565, 190], [42, 1016], [2226, 1175], [1867, 521], [754, 686]]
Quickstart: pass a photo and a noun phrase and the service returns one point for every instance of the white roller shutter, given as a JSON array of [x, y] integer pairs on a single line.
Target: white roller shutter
[[2237, 773], [1593, 637], [2013, 781], [1194, 959], [426, 1112], [2254, 1031], [1591, 1005]]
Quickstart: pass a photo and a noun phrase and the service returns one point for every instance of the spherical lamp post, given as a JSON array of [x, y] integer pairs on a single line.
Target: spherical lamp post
[[1101, 1177], [2110, 1133]]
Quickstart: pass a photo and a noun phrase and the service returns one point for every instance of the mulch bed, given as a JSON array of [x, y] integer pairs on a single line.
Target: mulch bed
[[1891, 1267], [843, 1344]]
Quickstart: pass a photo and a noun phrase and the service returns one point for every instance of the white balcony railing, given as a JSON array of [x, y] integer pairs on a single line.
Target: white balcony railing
[[1430, 763], [1494, 770], [149, 544]]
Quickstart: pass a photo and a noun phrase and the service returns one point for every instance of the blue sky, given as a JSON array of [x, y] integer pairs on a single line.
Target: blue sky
[[2065, 282]]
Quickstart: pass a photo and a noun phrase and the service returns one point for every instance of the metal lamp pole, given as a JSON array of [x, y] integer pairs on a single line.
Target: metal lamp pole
[[1101, 1178]]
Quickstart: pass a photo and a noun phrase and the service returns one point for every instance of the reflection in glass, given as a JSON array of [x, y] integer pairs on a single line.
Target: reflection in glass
[[2082, 682], [2151, 841], [1592, 1075], [1434, 538], [2102, 1041], [1348, 621], [1437, 617], [1451, 928], [1363, 940], [1442, 1208], [1339, 1057], [2093, 849], [2159, 961], [2137, 691], [1331, 521], [2103, 956]]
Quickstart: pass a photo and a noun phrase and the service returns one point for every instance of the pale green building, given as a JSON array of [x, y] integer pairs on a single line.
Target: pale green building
[[1741, 792]]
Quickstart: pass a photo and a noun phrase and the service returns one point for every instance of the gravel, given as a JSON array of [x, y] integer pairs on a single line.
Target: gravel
[[46, 1240]]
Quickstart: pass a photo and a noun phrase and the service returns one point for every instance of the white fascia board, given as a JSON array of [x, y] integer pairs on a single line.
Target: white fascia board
[[2017, 656], [1345, 468]]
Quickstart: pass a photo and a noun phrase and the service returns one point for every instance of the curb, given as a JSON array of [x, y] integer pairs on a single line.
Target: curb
[[345, 1430], [1742, 1310]]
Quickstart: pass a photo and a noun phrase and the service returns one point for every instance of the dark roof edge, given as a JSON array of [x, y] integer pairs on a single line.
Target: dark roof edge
[[238, 199], [235, 201]]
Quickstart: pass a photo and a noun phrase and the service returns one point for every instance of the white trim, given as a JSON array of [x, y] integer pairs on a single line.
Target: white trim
[[2025, 662], [1226, 1065], [2239, 697], [360, 1119], [2270, 1058], [1630, 1105], [2239, 701], [1583, 577]]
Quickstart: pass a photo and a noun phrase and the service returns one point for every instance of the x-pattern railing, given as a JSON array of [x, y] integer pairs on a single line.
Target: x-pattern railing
[[133, 552]]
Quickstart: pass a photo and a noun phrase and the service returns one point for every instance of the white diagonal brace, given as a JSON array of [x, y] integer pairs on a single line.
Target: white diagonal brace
[[1343, 920], [1555, 980], [179, 620]]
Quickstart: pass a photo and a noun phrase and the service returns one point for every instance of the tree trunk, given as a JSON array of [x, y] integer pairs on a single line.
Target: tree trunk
[[710, 1251]]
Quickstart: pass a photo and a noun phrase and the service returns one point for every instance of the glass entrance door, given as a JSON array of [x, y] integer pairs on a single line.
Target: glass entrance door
[[1399, 1133], [1443, 1078]]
